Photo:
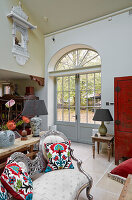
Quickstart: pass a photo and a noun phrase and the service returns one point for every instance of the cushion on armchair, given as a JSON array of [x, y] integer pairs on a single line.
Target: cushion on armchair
[[50, 139], [3, 193], [58, 156], [16, 181]]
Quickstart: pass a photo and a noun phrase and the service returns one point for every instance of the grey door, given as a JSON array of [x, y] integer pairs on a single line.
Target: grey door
[[77, 98]]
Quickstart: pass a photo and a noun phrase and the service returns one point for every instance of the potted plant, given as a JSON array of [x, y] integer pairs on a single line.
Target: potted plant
[[7, 136]]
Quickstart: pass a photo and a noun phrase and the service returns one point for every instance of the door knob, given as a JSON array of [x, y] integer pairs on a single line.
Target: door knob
[[75, 116]]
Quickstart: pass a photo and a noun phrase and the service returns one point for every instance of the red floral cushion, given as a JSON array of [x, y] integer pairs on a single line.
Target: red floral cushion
[[123, 169], [58, 156], [17, 181], [3, 193]]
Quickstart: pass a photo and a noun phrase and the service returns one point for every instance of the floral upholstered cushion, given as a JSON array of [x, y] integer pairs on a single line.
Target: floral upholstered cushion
[[58, 156], [3, 193], [16, 181]]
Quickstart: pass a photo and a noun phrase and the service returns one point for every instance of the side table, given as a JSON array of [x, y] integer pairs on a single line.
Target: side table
[[109, 139], [19, 146]]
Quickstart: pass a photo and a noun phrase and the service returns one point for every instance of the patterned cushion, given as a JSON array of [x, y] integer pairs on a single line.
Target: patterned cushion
[[3, 193], [58, 156], [16, 181], [51, 139]]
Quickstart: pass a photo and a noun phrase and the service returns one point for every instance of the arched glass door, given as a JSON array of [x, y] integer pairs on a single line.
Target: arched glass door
[[77, 95]]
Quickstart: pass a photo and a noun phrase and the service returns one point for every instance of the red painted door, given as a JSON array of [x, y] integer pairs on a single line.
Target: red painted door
[[123, 117]]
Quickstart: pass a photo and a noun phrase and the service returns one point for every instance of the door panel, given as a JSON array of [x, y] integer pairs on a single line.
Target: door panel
[[125, 105], [66, 106], [78, 97], [69, 130], [123, 118]]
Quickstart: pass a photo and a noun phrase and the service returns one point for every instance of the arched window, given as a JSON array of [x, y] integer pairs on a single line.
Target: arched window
[[78, 58]]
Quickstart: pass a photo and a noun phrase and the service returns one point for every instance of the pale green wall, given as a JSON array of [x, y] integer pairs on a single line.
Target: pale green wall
[[35, 65]]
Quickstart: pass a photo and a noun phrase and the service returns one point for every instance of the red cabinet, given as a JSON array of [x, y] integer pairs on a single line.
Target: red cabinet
[[123, 117]]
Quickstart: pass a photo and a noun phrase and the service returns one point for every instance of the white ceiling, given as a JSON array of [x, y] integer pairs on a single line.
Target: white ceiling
[[65, 13]]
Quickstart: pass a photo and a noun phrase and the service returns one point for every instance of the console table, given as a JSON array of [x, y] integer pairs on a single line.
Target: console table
[[19, 146], [109, 139]]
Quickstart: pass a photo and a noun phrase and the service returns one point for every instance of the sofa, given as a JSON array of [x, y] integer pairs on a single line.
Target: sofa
[[66, 184]]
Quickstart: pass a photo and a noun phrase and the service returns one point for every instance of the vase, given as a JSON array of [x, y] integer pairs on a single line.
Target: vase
[[35, 126], [7, 138]]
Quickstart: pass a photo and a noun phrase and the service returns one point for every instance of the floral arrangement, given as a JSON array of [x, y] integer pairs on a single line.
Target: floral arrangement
[[12, 124]]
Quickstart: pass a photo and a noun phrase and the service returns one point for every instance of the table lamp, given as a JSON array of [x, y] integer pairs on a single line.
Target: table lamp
[[102, 115], [34, 108]]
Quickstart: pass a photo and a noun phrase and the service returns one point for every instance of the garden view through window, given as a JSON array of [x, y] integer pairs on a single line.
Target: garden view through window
[[79, 91]]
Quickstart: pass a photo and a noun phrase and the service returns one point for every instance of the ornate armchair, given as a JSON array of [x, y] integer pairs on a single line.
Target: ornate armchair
[[65, 184]]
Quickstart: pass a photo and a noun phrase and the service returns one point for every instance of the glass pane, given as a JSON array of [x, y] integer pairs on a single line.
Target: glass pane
[[72, 82], [65, 83], [59, 83], [98, 81], [72, 98], [72, 114], [66, 115], [83, 82], [91, 101], [59, 99], [81, 55], [98, 98], [83, 98], [83, 115], [91, 81], [65, 64], [70, 55], [74, 55], [65, 99], [59, 114], [92, 59], [90, 115]]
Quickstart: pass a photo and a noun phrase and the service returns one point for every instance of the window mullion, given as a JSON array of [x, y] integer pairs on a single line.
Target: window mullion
[[62, 100], [94, 95], [69, 97], [87, 96]]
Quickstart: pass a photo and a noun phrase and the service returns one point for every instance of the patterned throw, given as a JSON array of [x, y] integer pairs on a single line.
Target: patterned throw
[[58, 156], [16, 181]]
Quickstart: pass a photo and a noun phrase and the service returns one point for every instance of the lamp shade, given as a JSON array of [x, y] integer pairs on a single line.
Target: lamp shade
[[102, 115], [34, 107]]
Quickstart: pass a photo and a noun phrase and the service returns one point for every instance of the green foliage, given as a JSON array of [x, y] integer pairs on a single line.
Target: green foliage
[[19, 123], [90, 86], [3, 127]]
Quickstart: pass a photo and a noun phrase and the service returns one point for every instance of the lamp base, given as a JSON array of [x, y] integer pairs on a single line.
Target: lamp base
[[102, 129], [35, 126]]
